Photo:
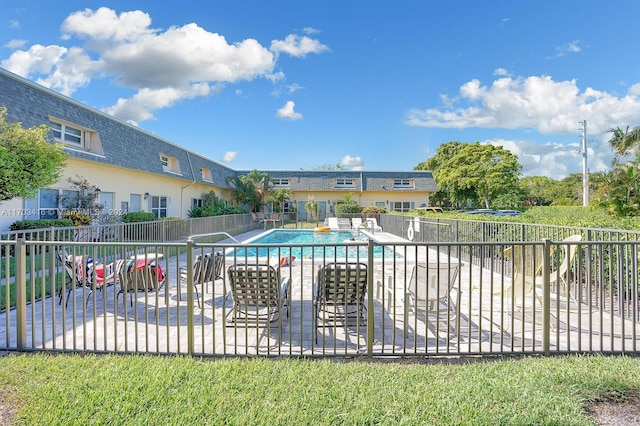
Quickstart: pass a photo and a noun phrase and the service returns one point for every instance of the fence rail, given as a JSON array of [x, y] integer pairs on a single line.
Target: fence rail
[[420, 298]]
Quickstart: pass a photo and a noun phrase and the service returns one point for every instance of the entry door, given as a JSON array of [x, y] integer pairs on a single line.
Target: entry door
[[322, 210], [302, 212]]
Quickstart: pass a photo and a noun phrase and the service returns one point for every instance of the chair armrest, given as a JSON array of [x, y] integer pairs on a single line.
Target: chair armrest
[[285, 288]]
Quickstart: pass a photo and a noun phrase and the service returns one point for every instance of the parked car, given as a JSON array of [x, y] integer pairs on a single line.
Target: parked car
[[481, 211], [510, 212]]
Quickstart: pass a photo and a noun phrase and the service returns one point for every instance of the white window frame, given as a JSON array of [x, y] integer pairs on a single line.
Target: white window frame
[[205, 173], [156, 206], [70, 135], [401, 206], [197, 202], [403, 183], [280, 182], [170, 164], [345, 183]]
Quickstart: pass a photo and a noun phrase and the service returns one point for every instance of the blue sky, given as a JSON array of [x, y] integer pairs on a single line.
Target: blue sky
[[372, 85]]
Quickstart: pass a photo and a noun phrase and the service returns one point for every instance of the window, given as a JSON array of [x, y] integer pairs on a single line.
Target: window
[[401, 206], [69, 135], [170, 164], [196, 202], [75, 136], [345, 183], [403, 183], [206, 174], [48, 206], [280, 182], [159, 206]]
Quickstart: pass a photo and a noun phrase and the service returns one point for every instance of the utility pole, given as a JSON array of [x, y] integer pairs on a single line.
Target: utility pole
[[585, 170]]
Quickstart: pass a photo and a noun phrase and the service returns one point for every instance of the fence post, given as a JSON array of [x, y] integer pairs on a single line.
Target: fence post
[[21, 294], [190, 322], [546, 296], [370, 325]]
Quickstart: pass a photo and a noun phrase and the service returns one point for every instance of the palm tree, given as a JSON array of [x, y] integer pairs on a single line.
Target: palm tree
[[250, 189], [624, 142], [243, 192], [261, 183]]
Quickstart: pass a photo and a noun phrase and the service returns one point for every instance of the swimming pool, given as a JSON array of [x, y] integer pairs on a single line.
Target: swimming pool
[[334, 244]]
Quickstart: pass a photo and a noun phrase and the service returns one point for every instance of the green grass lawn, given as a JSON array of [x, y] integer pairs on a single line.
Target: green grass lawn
[[137, 390]]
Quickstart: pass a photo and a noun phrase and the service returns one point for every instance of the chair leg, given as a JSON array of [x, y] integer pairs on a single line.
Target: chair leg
[[68, 294], [197, 295]]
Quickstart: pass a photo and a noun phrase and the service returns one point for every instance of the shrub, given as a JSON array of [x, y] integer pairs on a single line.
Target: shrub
[[347, 210], [44, 224], [77, 218], [138, 217], [373, 211], [21, 225]]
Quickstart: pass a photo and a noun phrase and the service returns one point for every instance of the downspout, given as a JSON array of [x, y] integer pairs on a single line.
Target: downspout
[[193, 176], [361, 186]]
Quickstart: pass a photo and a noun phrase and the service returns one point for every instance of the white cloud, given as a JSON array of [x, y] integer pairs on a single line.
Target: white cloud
[[14, 24], [545, 106], [229, 156], [140, 107], [556, 160], [352, 163], [15, 44], [501, 72], [533, 103], [162, 66], [298, 46], [287, 112], [567, 48]]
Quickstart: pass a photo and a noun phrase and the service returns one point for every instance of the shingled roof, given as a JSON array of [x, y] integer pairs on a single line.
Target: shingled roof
[[128, 146]]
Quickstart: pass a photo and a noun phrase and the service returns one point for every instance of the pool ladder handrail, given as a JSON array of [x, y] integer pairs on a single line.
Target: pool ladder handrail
[[190, 238]]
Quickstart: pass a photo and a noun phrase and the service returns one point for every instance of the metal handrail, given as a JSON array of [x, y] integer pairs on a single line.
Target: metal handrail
[[210, 234]]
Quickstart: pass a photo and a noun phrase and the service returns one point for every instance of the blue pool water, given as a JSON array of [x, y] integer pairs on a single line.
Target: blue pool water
[[286, 238]]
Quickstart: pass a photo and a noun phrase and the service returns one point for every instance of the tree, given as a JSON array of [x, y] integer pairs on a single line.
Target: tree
[[434, 164], [326, 167], [618, 191], [243, 192], [623, 142], [86, 199], [538, 190], [311, 206], [28, 161], [261, 183], [444, 153], [250, 189], [478, 171], [279, 197]]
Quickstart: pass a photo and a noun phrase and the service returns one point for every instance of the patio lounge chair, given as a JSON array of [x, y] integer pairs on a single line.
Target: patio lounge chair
[[332, 222], [135, 276], [80, 271], [356, 222], [430, 286], [561, 274], [259, 293], [344, 223], [372, 223], [339, 295], [206, 269]]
